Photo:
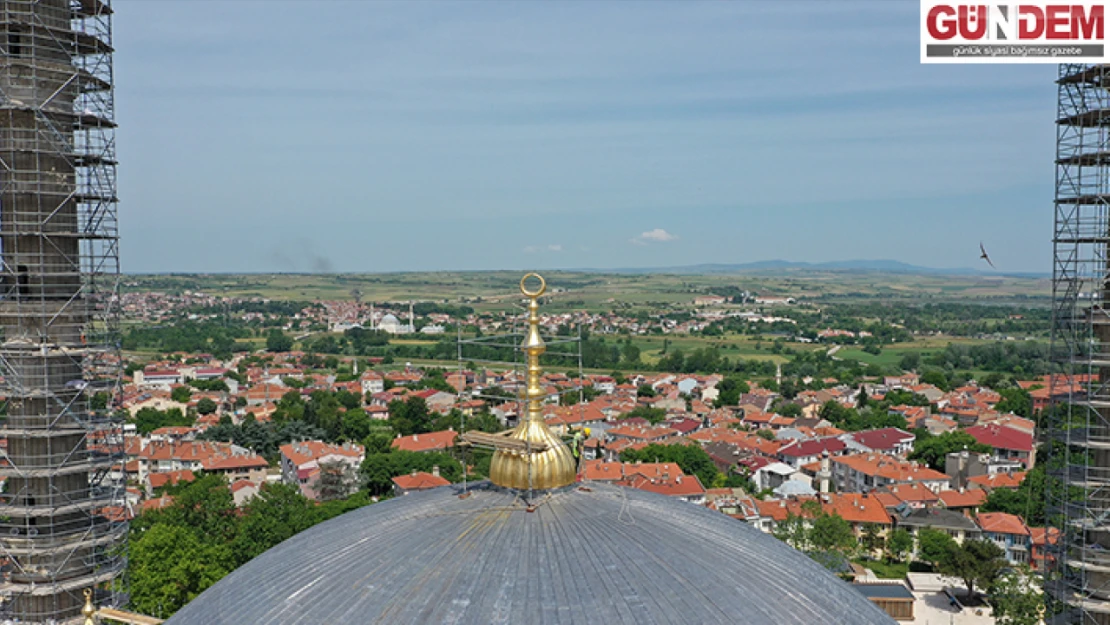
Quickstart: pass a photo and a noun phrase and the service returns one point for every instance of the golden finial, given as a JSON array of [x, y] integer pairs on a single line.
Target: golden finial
[[546, 461], [89, 611]]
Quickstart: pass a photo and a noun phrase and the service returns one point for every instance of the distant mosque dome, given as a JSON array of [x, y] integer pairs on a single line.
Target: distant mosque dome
[[391, 324]]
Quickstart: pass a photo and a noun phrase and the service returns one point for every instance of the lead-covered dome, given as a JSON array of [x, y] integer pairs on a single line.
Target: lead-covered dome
[[592, 554]]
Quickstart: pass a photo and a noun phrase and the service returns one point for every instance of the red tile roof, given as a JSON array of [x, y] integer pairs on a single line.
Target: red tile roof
[[419, 480], [1002, 437], [1002, 523], [429, 441]]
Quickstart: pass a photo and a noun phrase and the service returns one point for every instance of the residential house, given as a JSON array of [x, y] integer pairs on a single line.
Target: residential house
[[862, 473], [418, 481], [892, 441], [1007, 531], [300, 461], [429, 441], [1006, 442]]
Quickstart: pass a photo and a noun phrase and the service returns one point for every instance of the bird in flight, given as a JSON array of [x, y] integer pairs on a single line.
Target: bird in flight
[[984, 255]]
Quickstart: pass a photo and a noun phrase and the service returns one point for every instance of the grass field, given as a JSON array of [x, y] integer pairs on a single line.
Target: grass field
[[883, 570], [892, 354], [495, 290]]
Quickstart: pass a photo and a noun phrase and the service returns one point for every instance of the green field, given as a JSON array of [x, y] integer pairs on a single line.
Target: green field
[[892, 354], [497, 290]]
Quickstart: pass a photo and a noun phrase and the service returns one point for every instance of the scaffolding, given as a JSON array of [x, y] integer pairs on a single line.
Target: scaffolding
[[62, 508], [1077, 422]]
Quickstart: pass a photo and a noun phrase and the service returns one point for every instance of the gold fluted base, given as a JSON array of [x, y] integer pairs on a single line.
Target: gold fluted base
[[552, 468]]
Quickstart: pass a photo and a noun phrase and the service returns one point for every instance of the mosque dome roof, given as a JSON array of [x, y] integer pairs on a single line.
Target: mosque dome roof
[[587, 553]]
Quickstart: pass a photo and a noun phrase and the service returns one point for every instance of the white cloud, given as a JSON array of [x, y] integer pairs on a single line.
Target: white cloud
[[554, 247], [658, 235]]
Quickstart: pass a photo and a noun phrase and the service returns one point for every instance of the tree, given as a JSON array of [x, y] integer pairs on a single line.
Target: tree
[[1026, 501], [765, 434], [410, 416], [149, 419], [277, 513], [278, 341], [356, 424], [645, 390], [871, 539], [934, 546], [789, 409], [206, 406], [934, 450], [692, 459], [652, 415], [792, 531], [975, 562], [899, 544], [335, 481], [170, 565], [1017, 599], [831, 532], [181, 394], [378, 470]]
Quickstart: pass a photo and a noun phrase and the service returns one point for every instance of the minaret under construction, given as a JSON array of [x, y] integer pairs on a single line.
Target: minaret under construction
[[62, 515], [1078, 421]]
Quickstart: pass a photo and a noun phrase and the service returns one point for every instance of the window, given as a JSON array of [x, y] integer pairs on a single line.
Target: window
[[15, 44]]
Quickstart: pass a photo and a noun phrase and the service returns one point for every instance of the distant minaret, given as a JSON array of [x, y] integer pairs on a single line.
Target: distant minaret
[[354, 367], [824, 476], [412, 320], [372, 316], [778, 375]]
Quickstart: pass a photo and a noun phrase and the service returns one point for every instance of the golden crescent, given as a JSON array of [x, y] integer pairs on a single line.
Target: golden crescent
[[538, 292]]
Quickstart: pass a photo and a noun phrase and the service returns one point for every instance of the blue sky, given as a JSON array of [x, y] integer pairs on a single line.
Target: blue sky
[[370, 136]]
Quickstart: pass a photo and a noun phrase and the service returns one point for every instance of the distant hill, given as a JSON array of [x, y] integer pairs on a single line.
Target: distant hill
[[878, 266]]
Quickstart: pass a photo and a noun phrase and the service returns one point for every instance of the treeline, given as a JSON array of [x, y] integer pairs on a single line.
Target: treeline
[[177, 552], [1021, 358], [214, 338]]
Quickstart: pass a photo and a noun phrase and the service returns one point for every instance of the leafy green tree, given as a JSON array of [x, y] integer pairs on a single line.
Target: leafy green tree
[[871, 538], [1026, 501], [1017, 401], [899, 544], [356, 424], [692, 459], [789, 409], [181, 394], [206, 406], [765, 434], [934, 546], [410, 416], [830, 532], [149, 419], [278, 341], [170, 565], [377, 444], [99, 401], [934, 450], [975, 562], [336, 481], [645, 390], [793, 531], [652, 415], [378, 470], [277, 513], [1017, 599]]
